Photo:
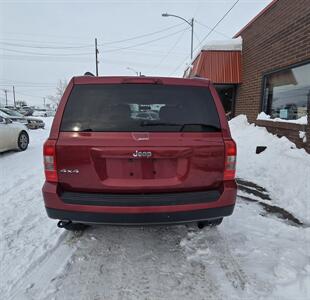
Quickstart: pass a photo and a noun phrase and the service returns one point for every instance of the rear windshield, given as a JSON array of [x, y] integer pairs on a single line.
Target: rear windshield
[[140, 107]]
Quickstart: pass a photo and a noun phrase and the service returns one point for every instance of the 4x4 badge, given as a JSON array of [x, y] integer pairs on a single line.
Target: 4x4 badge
[[69, 171], [146, 154]]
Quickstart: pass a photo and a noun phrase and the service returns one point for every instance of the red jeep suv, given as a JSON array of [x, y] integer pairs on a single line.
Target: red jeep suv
[[139, 150]]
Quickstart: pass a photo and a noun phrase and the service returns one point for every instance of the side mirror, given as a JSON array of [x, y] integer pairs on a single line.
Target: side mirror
[[8, 121]]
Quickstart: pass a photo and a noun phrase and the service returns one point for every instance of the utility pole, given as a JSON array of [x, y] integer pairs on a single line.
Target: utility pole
[[190, 23], [14, 96], [43, 102], [96, 53], [6, 96], [192, 38]]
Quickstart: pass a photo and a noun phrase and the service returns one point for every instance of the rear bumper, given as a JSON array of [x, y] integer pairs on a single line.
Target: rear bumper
[[139, 208], [136, 219]]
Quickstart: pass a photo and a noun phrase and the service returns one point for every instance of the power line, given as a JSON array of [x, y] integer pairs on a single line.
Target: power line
[[145, 43], [58, 59], [45, 54], [81, 46], [43, 47], [207, 35], [24, 82], [213, 28], [197, 37], [179, 66], [209, 27], [23, 94], [169, 52], [142, 35], [39, 55]]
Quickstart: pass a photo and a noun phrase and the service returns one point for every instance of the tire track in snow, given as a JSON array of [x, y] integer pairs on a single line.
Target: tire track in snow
[[210, 248], [134, 263], [226, 260]]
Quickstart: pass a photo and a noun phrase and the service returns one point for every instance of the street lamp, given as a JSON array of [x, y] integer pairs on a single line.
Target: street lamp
[[190, 23]]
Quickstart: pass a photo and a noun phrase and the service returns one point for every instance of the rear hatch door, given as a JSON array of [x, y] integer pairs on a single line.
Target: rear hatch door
[[140, 138]]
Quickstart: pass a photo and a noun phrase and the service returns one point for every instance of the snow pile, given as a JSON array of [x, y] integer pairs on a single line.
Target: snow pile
[[224, 45], [281, 168], [264, 117]]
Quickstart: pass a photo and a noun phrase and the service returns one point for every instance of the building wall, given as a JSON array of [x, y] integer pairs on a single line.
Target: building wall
[[278, 38]]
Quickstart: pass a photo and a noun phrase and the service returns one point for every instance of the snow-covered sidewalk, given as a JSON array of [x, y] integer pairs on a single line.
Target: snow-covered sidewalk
[[253, 255], [282, 169]]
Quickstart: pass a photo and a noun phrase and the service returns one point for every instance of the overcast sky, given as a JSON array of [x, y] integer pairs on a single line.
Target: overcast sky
[[42, 42]]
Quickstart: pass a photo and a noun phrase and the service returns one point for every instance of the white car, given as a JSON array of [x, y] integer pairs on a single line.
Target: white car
[[43, 113], [13, 135]]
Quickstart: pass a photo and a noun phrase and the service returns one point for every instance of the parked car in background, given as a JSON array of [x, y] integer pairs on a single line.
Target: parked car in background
[[13, 135], [43, 112], [103, 165], [10, 107], [30, 122], [18, 118], [26, 110]]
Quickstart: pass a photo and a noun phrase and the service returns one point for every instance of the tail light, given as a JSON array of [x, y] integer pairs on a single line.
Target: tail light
[[50, 168], [230, 160]]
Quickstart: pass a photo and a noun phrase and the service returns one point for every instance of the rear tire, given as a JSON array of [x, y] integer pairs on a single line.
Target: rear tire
[[209, 223], [23, 141]]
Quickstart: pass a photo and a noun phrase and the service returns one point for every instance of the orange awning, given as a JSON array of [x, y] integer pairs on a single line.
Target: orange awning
[[221, 67]]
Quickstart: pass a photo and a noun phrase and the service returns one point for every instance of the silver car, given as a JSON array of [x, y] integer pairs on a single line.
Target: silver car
[[30, 122]]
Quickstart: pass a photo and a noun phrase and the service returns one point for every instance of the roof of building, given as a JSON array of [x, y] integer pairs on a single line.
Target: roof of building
[[234, 44], [270, 5]]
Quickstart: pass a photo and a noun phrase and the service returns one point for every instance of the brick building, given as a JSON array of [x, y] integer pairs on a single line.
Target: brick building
[[275, 70]]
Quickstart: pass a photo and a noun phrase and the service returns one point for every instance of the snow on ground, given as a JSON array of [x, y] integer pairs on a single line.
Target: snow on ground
[[264, 117], [281, 168], [252, 255], [27, 236]]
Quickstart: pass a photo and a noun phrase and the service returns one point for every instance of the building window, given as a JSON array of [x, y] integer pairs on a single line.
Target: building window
[[287, 92]]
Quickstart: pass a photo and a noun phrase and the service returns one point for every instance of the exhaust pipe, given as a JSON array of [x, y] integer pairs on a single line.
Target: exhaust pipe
[[201, 225], [64, 223]]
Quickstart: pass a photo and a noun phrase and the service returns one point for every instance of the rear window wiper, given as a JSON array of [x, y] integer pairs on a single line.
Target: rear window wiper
[[86, 130], [206, 126], [159, 124]]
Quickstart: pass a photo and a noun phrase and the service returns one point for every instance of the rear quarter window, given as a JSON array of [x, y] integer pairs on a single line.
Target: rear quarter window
[[140, 107]]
